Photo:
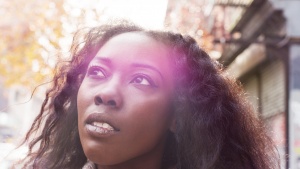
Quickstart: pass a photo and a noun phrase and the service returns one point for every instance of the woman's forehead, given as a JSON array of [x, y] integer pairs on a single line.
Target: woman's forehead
[[136, 45], [136, 48]]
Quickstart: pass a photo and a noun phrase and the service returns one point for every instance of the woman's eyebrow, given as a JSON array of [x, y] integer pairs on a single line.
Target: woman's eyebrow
[[104, 60], [148, 67]]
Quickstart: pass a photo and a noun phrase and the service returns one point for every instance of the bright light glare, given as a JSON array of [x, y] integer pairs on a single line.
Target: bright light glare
[[215, 54], [146, 13]]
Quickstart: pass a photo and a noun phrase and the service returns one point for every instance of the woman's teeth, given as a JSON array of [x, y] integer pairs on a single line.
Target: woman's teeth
[[104, 126]]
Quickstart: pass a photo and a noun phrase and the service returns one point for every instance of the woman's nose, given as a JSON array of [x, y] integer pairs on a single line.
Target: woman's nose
[[109, 94]]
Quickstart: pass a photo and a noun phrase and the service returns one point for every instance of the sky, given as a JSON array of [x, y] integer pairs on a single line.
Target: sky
[[146, 13]]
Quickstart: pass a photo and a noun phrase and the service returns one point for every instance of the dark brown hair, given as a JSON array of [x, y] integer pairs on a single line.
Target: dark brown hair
[[216, 128]]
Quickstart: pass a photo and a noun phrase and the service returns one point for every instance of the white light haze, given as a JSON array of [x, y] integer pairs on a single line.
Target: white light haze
[[146, 13]]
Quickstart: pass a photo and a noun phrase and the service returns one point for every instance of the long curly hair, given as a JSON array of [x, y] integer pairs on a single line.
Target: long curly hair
[[216, 128]]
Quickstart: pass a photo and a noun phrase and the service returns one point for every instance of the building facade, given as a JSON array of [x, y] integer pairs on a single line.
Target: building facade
[[258, 42], [261, 48]]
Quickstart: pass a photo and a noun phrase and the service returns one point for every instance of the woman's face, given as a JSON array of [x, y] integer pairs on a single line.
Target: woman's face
[[124, 102]]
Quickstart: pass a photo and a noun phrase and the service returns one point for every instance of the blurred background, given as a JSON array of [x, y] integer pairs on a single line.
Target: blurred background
[[258, 41]]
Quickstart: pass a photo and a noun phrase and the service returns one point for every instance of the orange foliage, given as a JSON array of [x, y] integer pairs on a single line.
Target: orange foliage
[[23, 57], [188, 17]]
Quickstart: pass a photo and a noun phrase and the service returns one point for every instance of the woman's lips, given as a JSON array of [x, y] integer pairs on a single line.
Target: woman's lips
[[98, 124]]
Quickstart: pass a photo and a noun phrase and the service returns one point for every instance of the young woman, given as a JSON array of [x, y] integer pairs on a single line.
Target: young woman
[[136, 99]]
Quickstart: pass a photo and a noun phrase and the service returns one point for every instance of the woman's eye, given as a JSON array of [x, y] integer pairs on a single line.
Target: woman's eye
[[142, 80], [96, 72]]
